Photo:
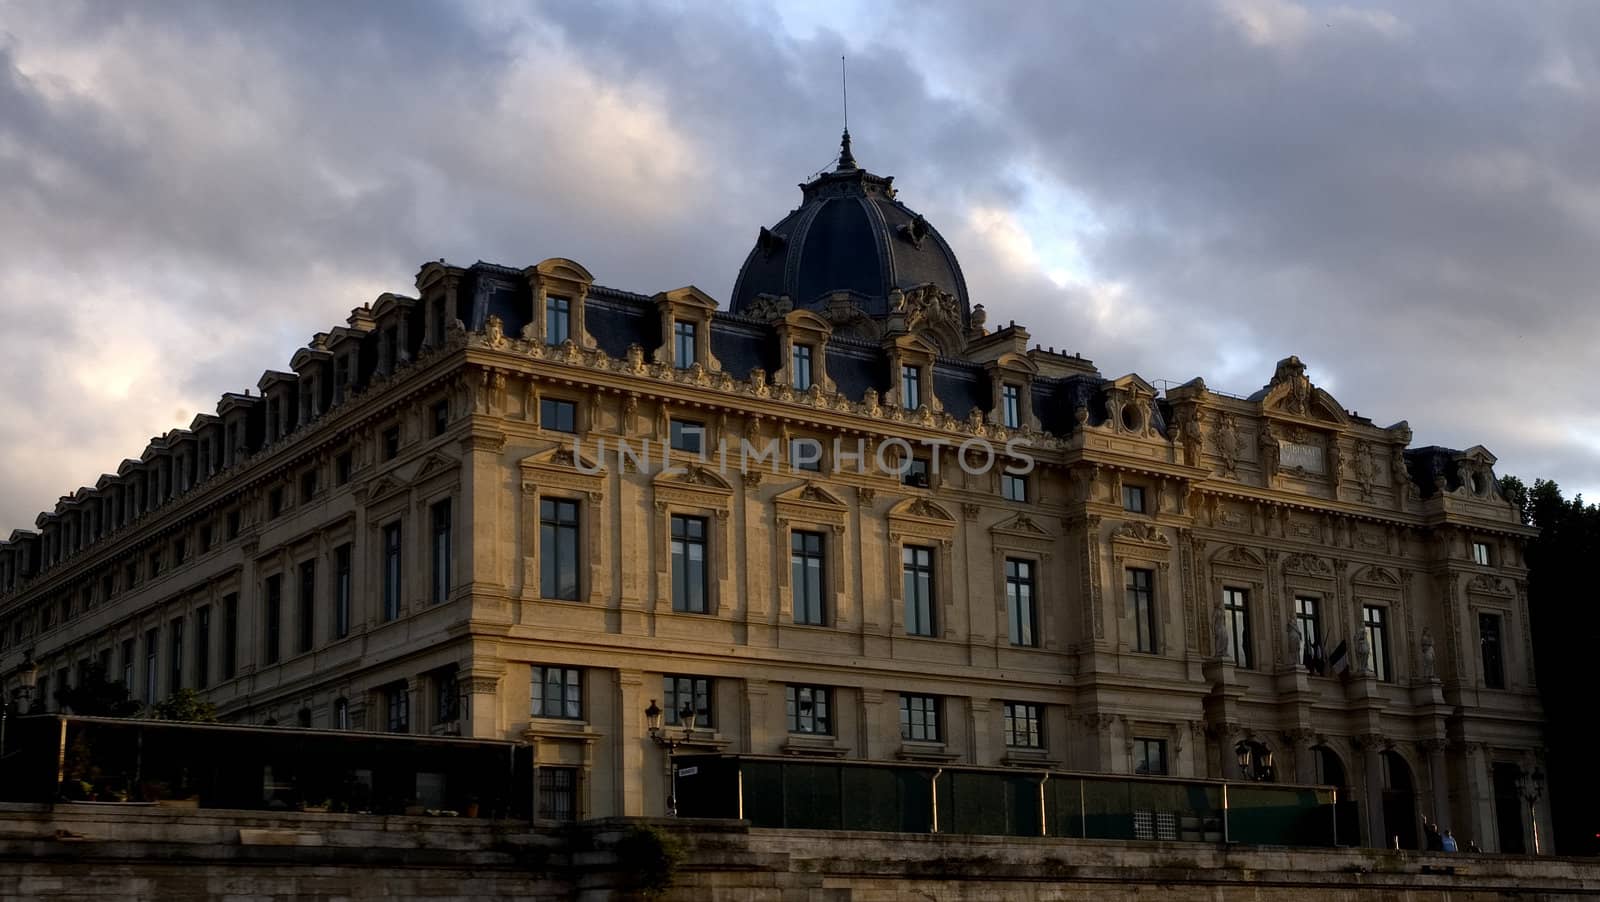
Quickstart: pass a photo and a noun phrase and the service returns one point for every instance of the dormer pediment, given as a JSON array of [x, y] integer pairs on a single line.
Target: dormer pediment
[[1013, 362], [203, 421], [105, 481], [309, 356], [127, 466], [687, 296], [233, 401], [1478, 454], [389, 303], [435, 272], [272, 378], [808, 321], [1291, 394], [560, 269]]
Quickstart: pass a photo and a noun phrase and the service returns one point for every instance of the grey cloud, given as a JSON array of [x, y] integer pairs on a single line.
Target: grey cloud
[[1409, 205]]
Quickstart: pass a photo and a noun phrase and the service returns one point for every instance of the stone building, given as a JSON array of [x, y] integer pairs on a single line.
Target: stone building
[[520, 505]]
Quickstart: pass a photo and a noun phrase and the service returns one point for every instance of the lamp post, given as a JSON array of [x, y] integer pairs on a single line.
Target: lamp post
[[665, 740], [1533, 790], [27, 679]]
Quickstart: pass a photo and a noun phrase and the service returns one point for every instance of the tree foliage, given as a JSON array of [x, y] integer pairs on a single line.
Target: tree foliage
[[97, 696], [1566, 631], [187, 705]]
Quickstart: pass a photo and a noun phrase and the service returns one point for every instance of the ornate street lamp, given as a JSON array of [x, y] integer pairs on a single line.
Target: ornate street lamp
[[663, 739], [1242, 752], [27, 678]]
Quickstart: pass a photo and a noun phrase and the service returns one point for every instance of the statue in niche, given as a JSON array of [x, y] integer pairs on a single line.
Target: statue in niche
[[1363, 659], [1428, 667], [1296, 643], [1228, 443], [1267, 444], [1219, 633]]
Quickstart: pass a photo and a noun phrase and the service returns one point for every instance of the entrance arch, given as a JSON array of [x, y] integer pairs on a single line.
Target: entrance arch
[[1399, 801]]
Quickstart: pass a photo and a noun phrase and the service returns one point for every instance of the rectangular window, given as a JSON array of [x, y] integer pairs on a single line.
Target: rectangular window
[[1494, 671], [917, 572], [1150, 757], [919, 718], [130, 574], [1142, 605], [150, 653], [686, 692], [689, 588], [558, 794], [207, 540], [1011, 406], [557, 320], [43, 693], [309, 485], [1373, 617], [1133, 499], [274, 615], [180, 553], [916, 473], [155, 564], [557, 692], [558, 415], [687, 435], [230, 635], [1309, 619], [808, 566], [441, 416], [308, 605], [275, 501], [1020, 612], [391, 443], [342, 467], [108, 584], [558, 548], [442, 551], [440, 321], [447, 696], [1024, 725], [1013, 488], [202, 647], [127, 664], [807, 708], [1236, 613], [232, 521], [1480, 553], [910, 387], [391, 571], [341, 591], [800, 364], [398, 699], [175, 662], [683, 344], [805, 454]]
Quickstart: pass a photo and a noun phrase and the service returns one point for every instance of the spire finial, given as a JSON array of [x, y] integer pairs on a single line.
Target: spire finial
[[847, 160]]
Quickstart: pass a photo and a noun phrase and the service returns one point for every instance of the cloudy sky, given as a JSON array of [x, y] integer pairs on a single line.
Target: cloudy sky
[[1406, 196]]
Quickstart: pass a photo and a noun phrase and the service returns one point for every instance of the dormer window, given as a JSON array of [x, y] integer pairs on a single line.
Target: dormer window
[[800, 366], [683, 344], [910, 387], [341, 376], [557, 320], [438, 323], [391, 348], [1011, 407]]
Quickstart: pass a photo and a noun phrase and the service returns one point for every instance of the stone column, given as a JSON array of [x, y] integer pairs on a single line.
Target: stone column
[[1371, 746], [869, 744], [1438, 791], [631, 744], [1305, 764], [481, 687], [1480, 796]]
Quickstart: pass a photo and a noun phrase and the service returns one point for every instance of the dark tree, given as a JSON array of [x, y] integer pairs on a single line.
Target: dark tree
[[97, 696]]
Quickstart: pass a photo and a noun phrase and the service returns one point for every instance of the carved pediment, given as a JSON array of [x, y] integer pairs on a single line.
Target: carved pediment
[[921, 509], [1291, 393], [1489, 585], [384, 486], [435, 464], [1308, 564], [687, 296], [1022, 525], [1238, 555], [811, 493], [560, 268], [1140, 533], [693, 476], [1379, 576], [563, 459]]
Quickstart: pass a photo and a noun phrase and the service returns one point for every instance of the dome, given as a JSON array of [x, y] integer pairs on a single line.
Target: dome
[[846, 251]]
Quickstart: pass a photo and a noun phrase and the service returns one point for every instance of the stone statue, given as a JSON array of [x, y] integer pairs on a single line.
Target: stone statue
[[1268, 446], [1219, 633], [1363, 658], [1296, 643], [1428, 671]]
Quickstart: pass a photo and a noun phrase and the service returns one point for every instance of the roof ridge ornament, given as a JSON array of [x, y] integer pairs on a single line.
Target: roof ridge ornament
[[847, 160]]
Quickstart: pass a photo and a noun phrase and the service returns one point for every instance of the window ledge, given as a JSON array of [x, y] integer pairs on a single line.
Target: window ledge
[[556, 728], [814, 746], [1031, 758], [925, 751]]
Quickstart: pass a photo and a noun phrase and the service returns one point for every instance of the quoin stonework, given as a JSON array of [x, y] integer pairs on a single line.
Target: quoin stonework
[[424, 525]]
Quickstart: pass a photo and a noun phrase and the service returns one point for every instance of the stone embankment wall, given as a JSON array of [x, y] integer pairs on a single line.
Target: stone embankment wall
[[166, 855]]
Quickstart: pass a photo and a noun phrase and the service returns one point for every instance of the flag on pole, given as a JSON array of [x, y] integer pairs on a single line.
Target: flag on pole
[[1339, 660]]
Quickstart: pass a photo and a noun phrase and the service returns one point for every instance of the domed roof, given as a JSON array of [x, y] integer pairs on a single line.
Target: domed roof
[[849, 235]]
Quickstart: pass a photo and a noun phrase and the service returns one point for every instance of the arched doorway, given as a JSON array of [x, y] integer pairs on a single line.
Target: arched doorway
[[1329, 769], [1399, 801]]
